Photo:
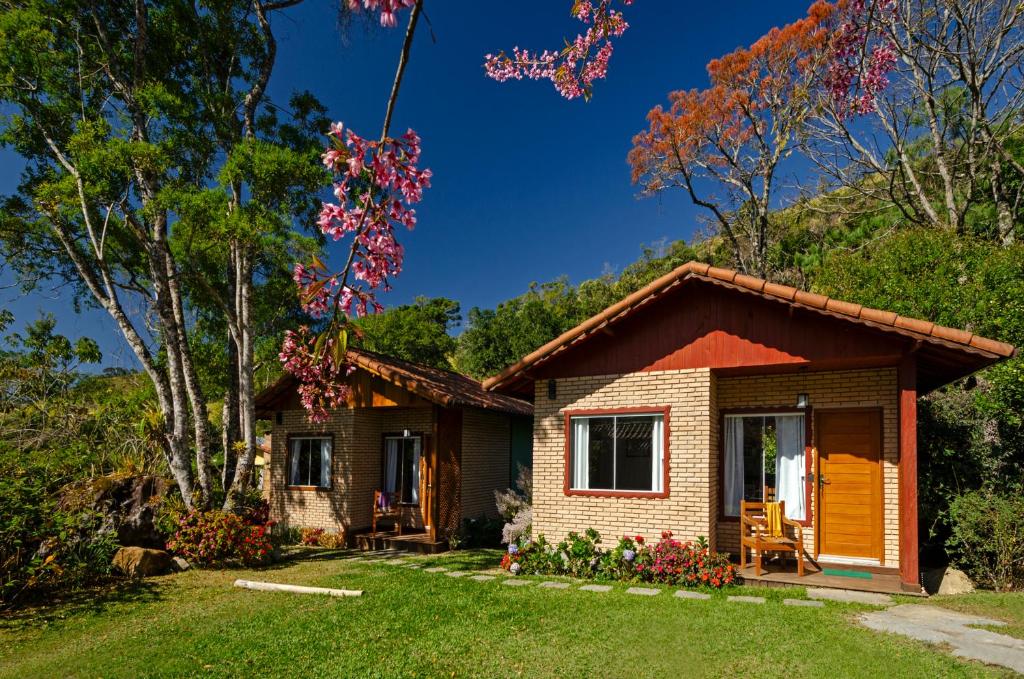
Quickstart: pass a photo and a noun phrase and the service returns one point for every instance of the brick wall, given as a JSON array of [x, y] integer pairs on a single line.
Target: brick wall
[[693, 437], [486, 437], [355, 466], [860, 388]]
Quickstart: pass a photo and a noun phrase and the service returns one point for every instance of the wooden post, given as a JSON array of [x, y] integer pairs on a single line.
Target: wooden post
[[909, 571], [295, 589]]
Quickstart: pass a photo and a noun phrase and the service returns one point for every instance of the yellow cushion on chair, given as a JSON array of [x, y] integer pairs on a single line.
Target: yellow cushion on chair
[[773, 518]]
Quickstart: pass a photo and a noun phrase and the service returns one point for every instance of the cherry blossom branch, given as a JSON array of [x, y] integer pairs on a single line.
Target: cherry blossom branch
[[573, 69], [376, 183]]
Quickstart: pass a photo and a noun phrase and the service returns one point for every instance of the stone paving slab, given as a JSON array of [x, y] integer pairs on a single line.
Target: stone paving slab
[[850, 596], [942, 626], [747, 599], [596, 588], [396, 562], [512, 582], [686, 594], [554, 585], [643, 591], [481, 578], [456, 574], [803, 602], [435, 569]]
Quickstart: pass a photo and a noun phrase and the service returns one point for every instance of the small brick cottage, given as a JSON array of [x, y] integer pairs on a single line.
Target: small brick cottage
[[708, 387], [434, 438]]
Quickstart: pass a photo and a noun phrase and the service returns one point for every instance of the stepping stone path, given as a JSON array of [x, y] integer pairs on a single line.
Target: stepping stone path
[[686, 594], [554, 585], [456, 574], [803, 602], [435, 569], [643, 591], [481, 578], [850, 596], [512, 582], [941, 626], [413, 565], [747, 599], [596, 588]]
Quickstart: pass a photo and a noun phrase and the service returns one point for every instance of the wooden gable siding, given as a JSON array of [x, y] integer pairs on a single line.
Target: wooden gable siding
[[370, 391], [706, 326]]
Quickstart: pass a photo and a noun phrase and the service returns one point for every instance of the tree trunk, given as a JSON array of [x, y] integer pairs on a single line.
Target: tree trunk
[[246, 393], [231, 433]]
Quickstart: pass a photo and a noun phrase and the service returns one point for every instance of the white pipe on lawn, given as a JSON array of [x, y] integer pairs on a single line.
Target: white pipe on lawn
[[296, 589]]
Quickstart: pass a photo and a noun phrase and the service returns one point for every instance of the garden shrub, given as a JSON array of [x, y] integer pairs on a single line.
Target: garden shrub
[[988, 538], [666, 562], [44, 548], [311, 536], [218, 538], [515, 507], [482, 531]]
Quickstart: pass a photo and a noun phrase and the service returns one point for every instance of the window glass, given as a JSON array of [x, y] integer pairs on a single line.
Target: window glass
[[310, 462], [617, 452]]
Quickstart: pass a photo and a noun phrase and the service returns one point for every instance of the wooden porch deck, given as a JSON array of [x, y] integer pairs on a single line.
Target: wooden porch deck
[[418, 542], [783, 574]]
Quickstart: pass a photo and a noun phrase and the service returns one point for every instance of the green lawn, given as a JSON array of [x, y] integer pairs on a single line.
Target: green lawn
[[411, 623]]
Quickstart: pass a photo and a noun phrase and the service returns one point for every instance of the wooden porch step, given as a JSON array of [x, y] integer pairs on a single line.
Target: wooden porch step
[[419, 543]]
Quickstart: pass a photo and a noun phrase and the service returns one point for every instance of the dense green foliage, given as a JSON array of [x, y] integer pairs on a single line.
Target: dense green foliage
[[988, 537], [496, 338], [57, 426], [418, 332], [971, 433]]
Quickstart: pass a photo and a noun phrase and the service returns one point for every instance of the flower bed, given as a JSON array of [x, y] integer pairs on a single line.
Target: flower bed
[[218, 538], [666, 562]]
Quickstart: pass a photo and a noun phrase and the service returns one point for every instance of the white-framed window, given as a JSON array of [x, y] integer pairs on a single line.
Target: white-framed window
[[402, 467], [617, 452], [310, 463], [765, 461]]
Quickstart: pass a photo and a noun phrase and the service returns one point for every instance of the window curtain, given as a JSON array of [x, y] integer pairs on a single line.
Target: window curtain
[[325, 463], [789, 465], [580, 453], [390, 464], [657, 454], [293, 478], [733, 465], [416, 471]]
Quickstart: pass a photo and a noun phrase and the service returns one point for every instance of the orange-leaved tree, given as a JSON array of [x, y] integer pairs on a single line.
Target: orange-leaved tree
[[723, 145]]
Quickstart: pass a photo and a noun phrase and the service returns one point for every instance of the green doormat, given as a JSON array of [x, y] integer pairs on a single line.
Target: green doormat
[[864, 575]]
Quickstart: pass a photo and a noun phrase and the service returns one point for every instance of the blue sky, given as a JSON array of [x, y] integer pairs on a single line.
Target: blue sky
[[527, 186]]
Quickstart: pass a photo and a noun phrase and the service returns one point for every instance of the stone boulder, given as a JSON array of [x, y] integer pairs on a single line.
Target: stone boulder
[[127, 505], [140, 562], [947, 580]]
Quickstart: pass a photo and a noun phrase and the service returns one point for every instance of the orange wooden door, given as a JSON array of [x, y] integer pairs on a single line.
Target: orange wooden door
[[426, 483], [850, 484]]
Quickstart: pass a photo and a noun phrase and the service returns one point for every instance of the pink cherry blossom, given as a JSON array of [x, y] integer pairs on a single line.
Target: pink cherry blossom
[[574, 68], [388, 9], [860, 56], [377, 183]]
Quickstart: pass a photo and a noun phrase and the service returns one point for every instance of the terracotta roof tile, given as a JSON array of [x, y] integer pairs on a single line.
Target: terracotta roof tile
[[844, 308], [781, 291], [878, 316], [726, 275], [443, 387], [855, 312], [810, 299]]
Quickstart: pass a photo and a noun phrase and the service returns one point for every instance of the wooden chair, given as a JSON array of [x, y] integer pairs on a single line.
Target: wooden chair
[[385, 506], [755, 535]]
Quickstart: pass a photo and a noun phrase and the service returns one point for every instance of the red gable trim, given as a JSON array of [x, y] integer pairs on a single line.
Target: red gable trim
[[884, 320]]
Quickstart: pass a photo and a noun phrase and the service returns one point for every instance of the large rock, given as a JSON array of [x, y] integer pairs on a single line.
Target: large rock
[[140, 562], [127, 505], [947, 581]]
